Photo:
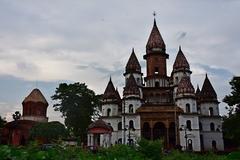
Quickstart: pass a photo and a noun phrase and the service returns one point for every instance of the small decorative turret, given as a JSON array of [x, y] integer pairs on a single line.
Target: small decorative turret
[[185, 87], [133, 66], [155, 40], [181, 63], [131, 88], [110, 92], [208, 93]]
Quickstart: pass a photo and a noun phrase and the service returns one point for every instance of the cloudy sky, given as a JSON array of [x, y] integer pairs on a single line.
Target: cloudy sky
[[44, 43]]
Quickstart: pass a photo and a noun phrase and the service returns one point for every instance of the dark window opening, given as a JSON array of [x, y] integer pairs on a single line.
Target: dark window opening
[[156, 71], [157, 84], [187, 108], [212, 127], [189, 125], [200, 126], [210, 111], [176, 79], [108, 112], [130, 108], [131, 124], [214, 145], [190, 147], [120, 126]]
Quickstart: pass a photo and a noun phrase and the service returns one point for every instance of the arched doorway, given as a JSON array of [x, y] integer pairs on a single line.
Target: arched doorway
[[146, 131], [159, 131]]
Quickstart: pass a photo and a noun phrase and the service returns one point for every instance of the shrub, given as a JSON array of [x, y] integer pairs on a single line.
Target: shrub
[[150, 149]]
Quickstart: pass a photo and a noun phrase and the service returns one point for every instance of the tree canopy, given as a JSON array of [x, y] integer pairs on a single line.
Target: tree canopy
[[231, 132], [49, 131], [233, 99], [77, 104], [2, 122]]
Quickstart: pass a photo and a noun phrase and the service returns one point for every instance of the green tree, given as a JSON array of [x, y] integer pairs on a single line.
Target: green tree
[[16, 116], [233, 99], [231, 132], [78, 104], [50, 131], [2, 122]]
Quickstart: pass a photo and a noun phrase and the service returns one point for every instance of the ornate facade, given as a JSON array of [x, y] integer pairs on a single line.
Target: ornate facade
[[161, 106]]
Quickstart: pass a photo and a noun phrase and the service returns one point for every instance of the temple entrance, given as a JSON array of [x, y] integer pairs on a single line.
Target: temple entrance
[[146, 131], [159, 131]]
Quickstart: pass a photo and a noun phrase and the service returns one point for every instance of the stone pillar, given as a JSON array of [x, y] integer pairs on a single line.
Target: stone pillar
[[88, 140], [167, 138]]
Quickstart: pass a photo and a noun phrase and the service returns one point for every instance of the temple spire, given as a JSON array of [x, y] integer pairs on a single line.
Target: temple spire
[[155, 40], [180, 63], [133, 65]]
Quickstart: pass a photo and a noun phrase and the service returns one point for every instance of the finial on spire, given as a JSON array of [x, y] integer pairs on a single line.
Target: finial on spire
[[180, 49], [154, 15], [133, 50], [110, 79]]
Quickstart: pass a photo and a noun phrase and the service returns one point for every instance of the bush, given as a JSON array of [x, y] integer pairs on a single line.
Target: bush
[[150, 149]]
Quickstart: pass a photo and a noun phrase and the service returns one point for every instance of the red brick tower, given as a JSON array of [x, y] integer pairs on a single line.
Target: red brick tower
[[35, 107]]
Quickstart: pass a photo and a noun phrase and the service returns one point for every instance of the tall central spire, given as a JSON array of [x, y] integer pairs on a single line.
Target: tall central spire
[[155, 40]]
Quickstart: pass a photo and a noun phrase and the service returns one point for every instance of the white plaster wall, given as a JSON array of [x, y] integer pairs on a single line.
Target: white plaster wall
[[205, 121], [183, 101], [204, 108], [135, 102], [208, 137], [113, 107], [113, 121], [194, 134], [135, 135]]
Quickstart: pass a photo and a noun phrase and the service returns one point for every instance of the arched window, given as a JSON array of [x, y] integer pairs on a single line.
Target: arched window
[[200, 126], [210, 111], [108, 112], [214, 145], [212, 127], [156, 71], [176, 79], [189, 125], [190, 147], [130, 108], [188, 108], [120, 126], [120, 141], [157, 84], [131, 124]]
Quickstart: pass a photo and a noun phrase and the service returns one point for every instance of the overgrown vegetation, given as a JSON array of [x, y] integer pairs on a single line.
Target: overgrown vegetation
[[50, 131], [77, 104], [146, 150], [231, 132]]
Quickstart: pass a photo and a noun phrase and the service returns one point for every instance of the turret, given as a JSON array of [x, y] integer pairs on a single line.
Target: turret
[[180, 68], [185, 97], [208, 99], [133, 67], [131, 95], [110, 100], [35, 107], [156, 57]]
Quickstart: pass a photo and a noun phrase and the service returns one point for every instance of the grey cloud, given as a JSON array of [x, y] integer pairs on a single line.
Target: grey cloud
[[181, 35]]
